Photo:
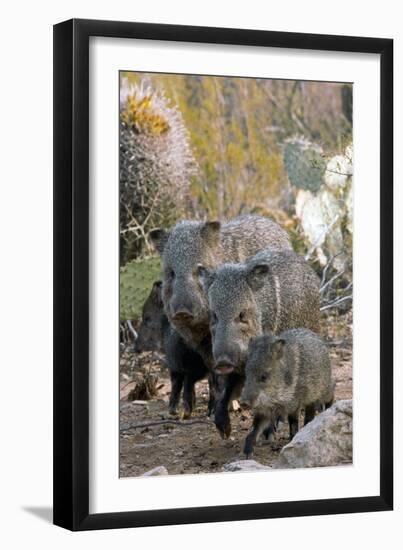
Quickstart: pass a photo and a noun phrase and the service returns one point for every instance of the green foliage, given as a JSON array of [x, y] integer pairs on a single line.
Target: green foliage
[[136, 280], [304, 163], [240, 132], [236, 127]]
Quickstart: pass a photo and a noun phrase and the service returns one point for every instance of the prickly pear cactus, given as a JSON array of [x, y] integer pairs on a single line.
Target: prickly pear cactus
[[304, 164], [326, 217], [136, 280]]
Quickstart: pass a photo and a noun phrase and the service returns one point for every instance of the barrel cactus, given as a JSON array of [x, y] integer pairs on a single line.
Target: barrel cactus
[[156, 164], [304, 164]]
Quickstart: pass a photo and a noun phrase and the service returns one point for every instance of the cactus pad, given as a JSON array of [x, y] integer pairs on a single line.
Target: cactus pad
[[304, 164], [136, 280]]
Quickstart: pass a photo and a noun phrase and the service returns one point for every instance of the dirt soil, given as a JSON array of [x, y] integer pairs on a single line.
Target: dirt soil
[[188, 448]]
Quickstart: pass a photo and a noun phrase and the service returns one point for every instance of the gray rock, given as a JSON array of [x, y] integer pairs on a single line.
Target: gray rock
[[244, 466], [325, 441], [157, 471]]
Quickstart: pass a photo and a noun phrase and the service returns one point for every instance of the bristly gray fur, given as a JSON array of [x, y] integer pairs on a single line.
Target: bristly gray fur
[[299, 377], [273, 291], [192, 245]]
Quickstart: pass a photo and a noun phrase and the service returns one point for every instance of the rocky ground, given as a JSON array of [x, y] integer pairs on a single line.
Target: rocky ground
[[194, 446]]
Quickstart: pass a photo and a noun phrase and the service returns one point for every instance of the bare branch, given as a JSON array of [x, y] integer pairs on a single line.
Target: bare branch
[[330, 281], [337, 172], [328, 266], [131, 328], [336, 303]]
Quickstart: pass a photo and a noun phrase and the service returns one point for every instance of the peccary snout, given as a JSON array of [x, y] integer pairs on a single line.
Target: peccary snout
[[150, 331], [183, 300], [224, 364], [229, 348], [181, 309], [233, 322]]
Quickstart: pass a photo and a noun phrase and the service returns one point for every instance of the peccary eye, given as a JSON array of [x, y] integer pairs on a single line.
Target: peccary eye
[[242, 317], [263, 378], [214, 317], [171, 274], [201, 270]]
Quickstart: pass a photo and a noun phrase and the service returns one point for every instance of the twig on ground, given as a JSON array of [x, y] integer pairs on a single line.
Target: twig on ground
[[127, 384], [160, 422]]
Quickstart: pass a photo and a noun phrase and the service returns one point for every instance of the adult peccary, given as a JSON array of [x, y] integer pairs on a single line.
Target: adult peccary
[[186, 367], [192, 246], [285, 374], [273, 291]]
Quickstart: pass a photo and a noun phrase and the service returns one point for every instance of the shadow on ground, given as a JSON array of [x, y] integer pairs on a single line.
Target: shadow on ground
[[44, 513]]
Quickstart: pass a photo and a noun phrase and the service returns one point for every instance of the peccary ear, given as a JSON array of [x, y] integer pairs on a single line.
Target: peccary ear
[[206, 276], [256, 276], [159, 238], [277, 348], [210, 232], [156, 292]]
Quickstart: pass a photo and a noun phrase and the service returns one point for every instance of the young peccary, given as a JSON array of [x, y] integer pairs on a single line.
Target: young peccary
[[285, 374], [185, 365], [273, 291], [188, 249]]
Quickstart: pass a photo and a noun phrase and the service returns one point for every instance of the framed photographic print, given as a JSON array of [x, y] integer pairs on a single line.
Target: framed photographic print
[[223, 237]]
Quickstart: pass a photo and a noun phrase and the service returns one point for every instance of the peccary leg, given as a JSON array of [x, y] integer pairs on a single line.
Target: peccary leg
[[271, 430], [189, 396], [232, 387], [293, 420], [309, 413], [329, 404], [269, 433], [259, 426], [176, 388], [212, 383]]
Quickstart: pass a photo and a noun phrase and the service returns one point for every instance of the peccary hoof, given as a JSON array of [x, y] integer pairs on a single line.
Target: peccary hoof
[[186, 414], [187, 411], [268, 434], [173, 411], [248, 445], [224, 428]]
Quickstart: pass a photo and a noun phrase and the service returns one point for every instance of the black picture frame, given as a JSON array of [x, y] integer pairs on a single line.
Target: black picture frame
[[71, 274]]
